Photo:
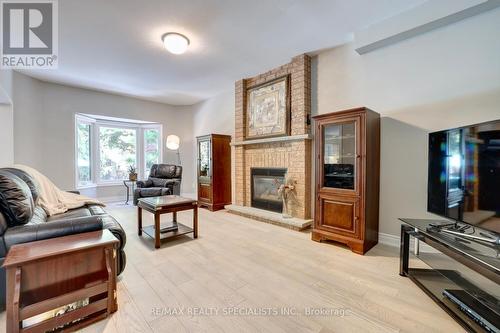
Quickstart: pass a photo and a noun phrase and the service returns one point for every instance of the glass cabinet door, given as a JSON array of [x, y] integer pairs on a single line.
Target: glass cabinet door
[[204, 163], [339, 155]]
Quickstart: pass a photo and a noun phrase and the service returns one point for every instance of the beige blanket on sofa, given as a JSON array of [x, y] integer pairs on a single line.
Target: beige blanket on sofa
[[52, 199]]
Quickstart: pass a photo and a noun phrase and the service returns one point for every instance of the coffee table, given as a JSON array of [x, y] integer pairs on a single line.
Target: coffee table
[[162, 205]]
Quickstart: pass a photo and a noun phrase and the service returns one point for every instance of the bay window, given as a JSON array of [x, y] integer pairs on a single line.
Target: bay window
[[107, 148]]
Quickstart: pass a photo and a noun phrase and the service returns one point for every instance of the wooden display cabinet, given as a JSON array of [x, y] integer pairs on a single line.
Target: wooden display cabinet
[[347, 178], [214, 171]]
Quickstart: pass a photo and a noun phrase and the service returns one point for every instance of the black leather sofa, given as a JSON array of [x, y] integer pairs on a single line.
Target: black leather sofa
[[163, 179], [22, 220]]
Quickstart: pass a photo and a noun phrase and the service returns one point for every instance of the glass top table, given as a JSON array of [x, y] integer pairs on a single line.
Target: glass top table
[[162, 205], [163, 201], [462, 275], [484, 254]]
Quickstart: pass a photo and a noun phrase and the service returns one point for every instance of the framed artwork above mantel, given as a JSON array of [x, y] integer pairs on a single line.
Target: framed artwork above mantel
[[268, 109]]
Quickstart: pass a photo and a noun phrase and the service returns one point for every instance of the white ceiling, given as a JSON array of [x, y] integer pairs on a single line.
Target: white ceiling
[[115, 45]]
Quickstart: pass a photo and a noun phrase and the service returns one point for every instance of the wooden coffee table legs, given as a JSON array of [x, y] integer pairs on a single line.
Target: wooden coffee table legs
[[157, 230]]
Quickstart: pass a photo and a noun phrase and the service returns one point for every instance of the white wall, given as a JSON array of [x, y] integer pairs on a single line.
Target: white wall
[[214, 116], [44, 127], [6, 135], [6, 119], [6, 86], [445, 78], [30, 134]]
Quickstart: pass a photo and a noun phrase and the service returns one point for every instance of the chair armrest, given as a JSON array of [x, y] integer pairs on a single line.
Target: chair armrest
[[175, 185], [144, 183], [172, 181], [59, 228]]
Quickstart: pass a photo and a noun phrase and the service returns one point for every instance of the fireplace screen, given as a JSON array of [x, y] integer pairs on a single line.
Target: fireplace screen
[[265, 183]]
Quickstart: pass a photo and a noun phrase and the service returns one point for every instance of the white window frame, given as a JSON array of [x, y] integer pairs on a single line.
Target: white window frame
[[79, 119], [143, 139], [95, 125]]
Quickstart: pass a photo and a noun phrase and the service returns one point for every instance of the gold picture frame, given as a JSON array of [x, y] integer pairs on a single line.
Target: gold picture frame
[[268, 109]]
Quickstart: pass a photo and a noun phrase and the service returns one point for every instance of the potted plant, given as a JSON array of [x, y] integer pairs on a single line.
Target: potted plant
[[132, 173], [203, 169]]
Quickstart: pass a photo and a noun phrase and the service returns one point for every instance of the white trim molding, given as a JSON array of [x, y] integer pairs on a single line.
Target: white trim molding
[[394, 241], [388, 239]]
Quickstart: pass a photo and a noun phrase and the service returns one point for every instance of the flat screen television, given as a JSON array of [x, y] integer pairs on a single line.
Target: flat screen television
[[464, 175]]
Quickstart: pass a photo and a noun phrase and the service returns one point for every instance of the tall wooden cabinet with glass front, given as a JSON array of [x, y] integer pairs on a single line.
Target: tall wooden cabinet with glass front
[[347, 178], [214, 171]]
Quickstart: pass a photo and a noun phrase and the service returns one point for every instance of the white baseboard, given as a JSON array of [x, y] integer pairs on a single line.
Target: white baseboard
[[394, 241], [388, 239]]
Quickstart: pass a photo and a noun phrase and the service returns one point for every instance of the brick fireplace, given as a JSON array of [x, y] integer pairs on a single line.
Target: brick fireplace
[[291, 152]]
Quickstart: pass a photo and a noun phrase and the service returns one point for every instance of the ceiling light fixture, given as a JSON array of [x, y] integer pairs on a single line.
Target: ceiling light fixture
[[175, 43]]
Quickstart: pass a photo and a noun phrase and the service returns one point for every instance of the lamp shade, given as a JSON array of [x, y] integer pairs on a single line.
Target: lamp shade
[[173, 142]]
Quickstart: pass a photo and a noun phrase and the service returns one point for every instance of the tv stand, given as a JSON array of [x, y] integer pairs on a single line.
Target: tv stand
[[462, 275]]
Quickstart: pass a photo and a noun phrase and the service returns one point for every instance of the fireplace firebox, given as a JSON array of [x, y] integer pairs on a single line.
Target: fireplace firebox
[[264, 187]]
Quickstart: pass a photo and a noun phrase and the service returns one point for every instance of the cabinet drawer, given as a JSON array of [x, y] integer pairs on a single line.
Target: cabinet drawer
[[205, 192], [339, 215]]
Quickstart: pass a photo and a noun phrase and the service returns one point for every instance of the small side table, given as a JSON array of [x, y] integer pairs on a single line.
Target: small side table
[[44, 275], [162, 205], [130, 185]]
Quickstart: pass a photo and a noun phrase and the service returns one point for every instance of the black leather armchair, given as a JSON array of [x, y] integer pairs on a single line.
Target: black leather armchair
[[164, 179], [22, 220]]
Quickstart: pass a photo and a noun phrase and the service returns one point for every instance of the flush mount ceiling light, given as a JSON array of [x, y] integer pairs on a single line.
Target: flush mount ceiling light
[[175, 43]]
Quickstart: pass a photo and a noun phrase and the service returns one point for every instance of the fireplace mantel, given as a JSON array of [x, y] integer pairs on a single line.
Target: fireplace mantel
[[275, 139]]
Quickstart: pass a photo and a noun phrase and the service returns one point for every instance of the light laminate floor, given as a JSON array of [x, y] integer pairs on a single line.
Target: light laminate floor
[[242, 275]]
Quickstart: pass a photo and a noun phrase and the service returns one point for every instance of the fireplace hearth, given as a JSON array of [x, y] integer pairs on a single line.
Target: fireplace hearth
[[264, 188]]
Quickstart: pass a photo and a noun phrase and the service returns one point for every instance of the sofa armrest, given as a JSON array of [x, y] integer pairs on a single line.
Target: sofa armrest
[[144, 183], [47, 230]]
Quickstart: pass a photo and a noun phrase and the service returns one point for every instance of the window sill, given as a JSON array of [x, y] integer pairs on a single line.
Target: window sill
[[83, 187], [118, 183]]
